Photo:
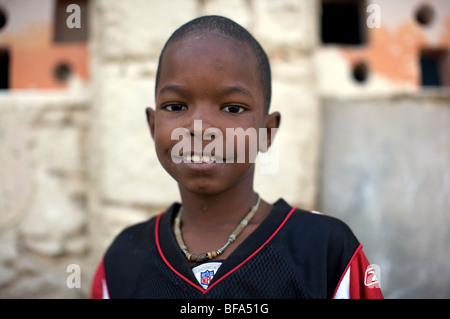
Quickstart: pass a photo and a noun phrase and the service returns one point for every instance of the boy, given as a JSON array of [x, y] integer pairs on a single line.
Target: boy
[[224, 241]]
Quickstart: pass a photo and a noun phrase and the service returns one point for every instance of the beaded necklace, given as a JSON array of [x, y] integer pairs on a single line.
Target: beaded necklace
[[203, 257]]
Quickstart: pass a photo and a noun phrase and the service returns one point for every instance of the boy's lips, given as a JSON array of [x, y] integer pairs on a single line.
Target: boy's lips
[[204, 161], [199, 159], [199, 163]]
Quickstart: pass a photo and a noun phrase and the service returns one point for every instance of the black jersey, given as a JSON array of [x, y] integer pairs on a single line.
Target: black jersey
[[292, 254]]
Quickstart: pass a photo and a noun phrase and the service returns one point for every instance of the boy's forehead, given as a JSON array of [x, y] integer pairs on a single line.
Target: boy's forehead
[[210, 45], [208, 54], [198, 37]]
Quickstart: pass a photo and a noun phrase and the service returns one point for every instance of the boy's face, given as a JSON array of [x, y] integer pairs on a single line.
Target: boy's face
[[212, 78]]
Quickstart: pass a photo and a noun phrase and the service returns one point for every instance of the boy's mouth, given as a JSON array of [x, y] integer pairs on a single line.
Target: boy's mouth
[[195, 158], [201, 159]]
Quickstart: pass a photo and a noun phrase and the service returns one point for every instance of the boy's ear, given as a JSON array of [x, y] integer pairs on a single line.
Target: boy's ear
[[272, 122], [151, 120]]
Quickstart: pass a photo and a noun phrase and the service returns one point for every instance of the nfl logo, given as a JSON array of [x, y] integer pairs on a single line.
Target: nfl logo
[[206, 276]]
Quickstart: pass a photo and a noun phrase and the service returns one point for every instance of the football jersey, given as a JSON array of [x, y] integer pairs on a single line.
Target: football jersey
[[293, 254]]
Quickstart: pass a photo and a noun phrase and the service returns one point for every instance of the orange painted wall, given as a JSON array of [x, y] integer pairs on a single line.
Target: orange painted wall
[[34, 67], [395, 53], [33, 53]]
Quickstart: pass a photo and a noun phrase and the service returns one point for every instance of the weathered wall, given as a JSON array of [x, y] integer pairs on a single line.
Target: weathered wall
[[34, 55], [43, 192], [386, 171], [385, 151], [391, 52]]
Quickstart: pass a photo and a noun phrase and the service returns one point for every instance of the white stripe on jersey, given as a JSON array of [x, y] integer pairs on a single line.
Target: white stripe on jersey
[[105, 293], [343, 291]]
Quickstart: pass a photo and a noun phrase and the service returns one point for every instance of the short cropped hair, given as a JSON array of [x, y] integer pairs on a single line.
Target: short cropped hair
[[235, 31]]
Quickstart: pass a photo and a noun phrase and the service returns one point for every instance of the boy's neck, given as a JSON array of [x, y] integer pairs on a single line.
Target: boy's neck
[[213, 210]]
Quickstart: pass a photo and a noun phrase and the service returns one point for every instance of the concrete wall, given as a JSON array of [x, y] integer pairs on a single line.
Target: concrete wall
[[385, 150], [386, 171], [43, 192]]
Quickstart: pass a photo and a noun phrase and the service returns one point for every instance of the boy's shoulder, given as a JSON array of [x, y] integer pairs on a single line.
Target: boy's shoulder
[[318, 223], [130, 239], [125, 255], [319, 248], [312, 233]]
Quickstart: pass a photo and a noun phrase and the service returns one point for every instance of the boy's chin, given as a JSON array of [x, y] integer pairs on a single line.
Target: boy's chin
[[213, 186], [202, 189]]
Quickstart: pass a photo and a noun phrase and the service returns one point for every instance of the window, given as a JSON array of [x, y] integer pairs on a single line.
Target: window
[[4, 69], [433, 65], [342, 22], [425, 15], [3, 19], [62, 72], [64, 33], [360, 72]]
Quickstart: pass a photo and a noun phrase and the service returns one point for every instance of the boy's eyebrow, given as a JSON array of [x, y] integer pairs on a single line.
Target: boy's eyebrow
[[222, 91], [172, 88], [235, 89]]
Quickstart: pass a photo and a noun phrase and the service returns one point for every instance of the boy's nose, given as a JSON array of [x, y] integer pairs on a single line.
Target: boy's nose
[[202, 118], [202, 127]]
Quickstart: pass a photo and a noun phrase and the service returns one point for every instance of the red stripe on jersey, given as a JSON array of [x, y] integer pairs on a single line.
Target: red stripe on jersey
[[358, 288], [358, 265], [97, 283], [164, 257]]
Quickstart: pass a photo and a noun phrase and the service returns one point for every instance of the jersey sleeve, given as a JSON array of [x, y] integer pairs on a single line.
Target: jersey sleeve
[[99, 289], [359, 280]]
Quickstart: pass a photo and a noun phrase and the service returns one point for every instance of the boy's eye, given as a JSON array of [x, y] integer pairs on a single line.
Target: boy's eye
[[234, 109], [175, 107]]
